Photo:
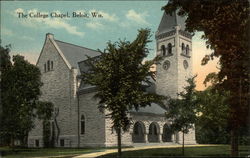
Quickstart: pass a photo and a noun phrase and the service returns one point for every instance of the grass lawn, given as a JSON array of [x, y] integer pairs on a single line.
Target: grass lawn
[[34, 152], [207, 151]]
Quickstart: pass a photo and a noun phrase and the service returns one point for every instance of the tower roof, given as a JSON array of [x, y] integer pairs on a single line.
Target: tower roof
[[169, 21]]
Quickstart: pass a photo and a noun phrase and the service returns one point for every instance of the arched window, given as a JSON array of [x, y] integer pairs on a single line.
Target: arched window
[[163, 50], [51, 65], [187, 50], [153, 129], [167, 134], [182, 48], [138, 133], [153, 132], [136, 130], [82, 124], [48, 65], [169, 48], [45, 67]]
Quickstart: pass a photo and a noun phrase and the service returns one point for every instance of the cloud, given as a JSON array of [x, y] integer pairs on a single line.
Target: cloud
[[97, 23], [56, 23], [94, 25], [19, 10], [6, 32], [27, 38], [137, 17], [106, 16], [30, 56]]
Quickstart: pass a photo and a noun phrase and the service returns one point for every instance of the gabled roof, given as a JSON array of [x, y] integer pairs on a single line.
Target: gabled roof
[[152, 109], [74, 53], [169, 21]]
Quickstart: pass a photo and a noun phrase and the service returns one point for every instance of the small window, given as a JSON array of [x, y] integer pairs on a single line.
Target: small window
[[51, 64], [182, 48], [187, 50], [163, 50], [45, 67], [62, 142], [169, 48], [37, 142], [48, 65], [82, 124]]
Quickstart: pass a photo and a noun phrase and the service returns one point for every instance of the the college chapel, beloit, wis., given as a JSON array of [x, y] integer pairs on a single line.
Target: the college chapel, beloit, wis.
[[77, 121]]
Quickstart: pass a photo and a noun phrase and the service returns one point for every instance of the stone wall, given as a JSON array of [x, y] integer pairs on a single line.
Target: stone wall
[[111, 135], [57, 88], [94, 121], [184, 73], [166, 80], [172, 81]]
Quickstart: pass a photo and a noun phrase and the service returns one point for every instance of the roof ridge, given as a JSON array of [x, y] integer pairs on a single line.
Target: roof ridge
[[75, 45]]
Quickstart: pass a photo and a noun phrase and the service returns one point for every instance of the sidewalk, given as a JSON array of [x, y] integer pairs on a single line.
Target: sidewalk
[[108, 151]]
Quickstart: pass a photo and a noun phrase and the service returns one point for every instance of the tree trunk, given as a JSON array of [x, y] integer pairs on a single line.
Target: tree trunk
[[182, 143], [119, 142], [11, 142], [234, 143]]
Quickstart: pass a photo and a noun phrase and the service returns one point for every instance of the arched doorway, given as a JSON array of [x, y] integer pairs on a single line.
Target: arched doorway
[[138, 135], [153, 134], [167, 134]]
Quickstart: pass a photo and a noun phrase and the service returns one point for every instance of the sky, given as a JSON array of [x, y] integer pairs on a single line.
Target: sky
[[114, 20]]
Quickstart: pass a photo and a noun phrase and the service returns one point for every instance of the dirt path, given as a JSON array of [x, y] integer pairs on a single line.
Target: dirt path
[[108, 151]]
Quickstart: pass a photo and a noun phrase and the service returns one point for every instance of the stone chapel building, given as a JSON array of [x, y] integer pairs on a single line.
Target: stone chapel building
[[77, 122]]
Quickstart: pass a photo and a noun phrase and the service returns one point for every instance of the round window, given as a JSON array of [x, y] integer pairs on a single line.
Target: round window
[[166, 65], [185, 64]]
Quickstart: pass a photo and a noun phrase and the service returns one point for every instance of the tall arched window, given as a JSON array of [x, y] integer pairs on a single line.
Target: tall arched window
[[82, 124], [169, 48], [187, 50], [153, 132], [45, 67], [153, 129], [51, 65], [48, 65], [138, 133], [182, 48], [167, 134], [163, 50]]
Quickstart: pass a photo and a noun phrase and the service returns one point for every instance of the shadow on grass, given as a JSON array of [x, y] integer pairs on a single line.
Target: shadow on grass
[[206, 151], [20, 152], [40, 152]]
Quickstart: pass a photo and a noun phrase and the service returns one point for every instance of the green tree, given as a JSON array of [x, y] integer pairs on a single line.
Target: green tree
[[44, 113], [225, 24], [20, 90], [5, 65], [5, 62], [212, 124], [182, 111], [119, 75]]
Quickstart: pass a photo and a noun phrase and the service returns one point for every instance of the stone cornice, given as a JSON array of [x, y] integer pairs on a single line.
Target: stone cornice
[[185, 34], [188, 56], [165, 34]]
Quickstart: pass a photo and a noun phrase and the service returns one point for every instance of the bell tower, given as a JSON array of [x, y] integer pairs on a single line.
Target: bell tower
[[174, 45]]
